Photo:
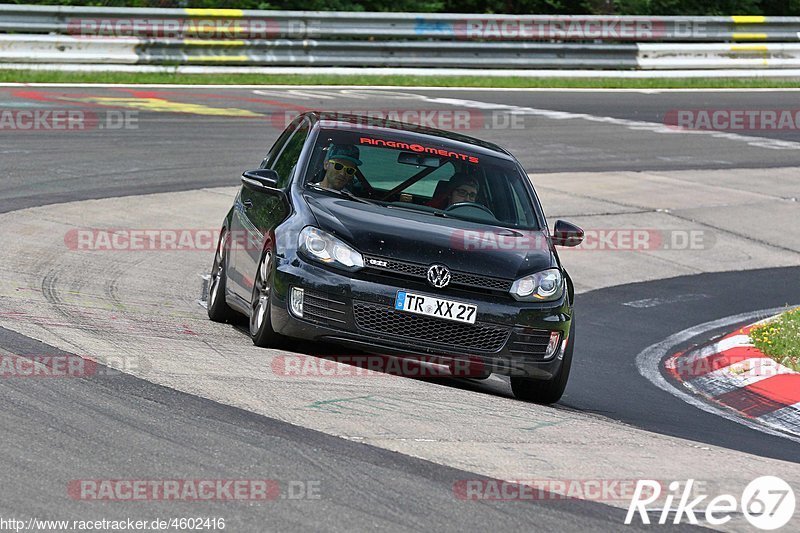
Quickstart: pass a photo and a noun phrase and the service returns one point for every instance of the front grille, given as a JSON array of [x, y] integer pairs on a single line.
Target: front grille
[[470, 280], [323, 308], [375, 318], [529, 342], [418, 271]]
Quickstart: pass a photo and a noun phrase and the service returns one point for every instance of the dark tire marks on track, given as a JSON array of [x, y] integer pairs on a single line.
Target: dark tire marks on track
[[122, 427]]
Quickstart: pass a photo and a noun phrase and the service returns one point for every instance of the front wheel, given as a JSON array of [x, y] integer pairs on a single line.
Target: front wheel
[[260, 324], [547, 391]]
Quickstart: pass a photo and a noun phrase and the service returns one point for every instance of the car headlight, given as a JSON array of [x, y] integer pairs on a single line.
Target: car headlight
[[326, 248], [542, 286]]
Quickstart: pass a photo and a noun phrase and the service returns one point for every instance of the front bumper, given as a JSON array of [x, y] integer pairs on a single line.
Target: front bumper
[[355, 311]]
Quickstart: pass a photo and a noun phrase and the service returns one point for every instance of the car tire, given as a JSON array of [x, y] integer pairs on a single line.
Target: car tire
[[218, 309], [260, 324], [546, 391]]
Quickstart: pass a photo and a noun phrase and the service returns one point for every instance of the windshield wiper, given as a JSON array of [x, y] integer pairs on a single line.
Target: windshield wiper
[[344, 193]]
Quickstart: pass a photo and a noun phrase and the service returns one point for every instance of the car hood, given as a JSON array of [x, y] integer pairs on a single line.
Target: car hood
[[407, 235]]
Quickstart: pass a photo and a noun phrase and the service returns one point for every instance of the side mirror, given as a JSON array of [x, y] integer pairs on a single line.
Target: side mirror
[[566, 234], [260, 179]]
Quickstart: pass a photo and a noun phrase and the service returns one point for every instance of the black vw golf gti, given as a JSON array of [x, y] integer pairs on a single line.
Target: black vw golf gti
[[403, 241]]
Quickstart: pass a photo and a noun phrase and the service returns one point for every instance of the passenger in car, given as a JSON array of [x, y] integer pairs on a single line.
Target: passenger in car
[[460, 188]]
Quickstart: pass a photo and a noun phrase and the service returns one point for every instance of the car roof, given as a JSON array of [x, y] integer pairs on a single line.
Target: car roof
[[335, 120]]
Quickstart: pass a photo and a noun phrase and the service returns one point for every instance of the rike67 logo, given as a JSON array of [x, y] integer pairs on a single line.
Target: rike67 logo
[[768, 503]]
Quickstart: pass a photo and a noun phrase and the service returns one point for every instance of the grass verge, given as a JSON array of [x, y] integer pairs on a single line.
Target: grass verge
[[37, 76], [780, 339]]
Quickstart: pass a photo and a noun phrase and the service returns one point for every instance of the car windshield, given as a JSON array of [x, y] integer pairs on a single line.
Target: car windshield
[[428, 176]]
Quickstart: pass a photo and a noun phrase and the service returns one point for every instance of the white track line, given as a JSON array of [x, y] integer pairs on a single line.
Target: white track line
[[636, 125]]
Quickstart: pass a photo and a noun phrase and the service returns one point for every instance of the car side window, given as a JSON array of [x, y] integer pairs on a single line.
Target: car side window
[[509, 201], [287, 159], [273, 153]]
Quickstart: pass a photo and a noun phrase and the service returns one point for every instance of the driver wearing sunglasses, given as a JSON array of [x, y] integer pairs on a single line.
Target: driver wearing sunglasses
[[341, 163]]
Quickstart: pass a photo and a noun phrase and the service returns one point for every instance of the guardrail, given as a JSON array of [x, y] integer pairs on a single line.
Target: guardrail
[[102, 35], [67, 49], [247, 24]]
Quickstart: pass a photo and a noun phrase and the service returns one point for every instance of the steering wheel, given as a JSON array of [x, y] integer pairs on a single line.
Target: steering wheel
[[470, 204]]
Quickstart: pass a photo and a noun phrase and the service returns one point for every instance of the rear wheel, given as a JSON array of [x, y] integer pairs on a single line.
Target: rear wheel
[[551, 390], [260, 324], [218, 309]]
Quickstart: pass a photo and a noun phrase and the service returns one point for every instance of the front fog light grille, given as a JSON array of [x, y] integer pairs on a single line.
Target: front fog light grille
[[534, 343], [319, 307]]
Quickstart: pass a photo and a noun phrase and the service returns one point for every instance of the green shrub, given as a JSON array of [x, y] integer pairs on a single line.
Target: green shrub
[[780, 339]]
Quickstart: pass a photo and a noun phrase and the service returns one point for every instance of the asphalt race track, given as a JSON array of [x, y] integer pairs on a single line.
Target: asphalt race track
[[616, 331], [204, 403], [91, 164]]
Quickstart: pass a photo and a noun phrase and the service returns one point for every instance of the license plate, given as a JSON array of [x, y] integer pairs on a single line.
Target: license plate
[[431, 306]]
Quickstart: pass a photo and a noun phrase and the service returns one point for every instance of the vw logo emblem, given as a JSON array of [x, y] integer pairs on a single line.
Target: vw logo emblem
[[438, 276]]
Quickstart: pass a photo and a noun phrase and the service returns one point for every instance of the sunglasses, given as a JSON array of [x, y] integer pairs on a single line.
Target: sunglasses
[[350, 170]]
